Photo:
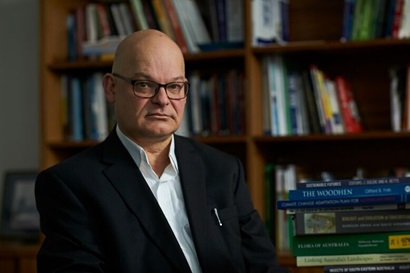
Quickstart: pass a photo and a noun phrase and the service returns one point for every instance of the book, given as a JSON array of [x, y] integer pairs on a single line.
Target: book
[[193, 28], [355, 191], [352, 182], [235, 20], [348, 106], [341, 202], [173, 18], [312, 110], [164, 22], [99, 108], [404, 29], [348, 12], [385, 268], [371, 259], [266, 22], [119, 24], [76, 110], [318, 100], [336, 116], [91, 22], [397, 18], [126, 17], [353, 243], [220, 16], [342, 222], [398, 206], [103, 20], [139, 15]]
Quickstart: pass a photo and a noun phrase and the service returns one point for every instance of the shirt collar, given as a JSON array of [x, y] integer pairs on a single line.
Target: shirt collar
[[137, 152]]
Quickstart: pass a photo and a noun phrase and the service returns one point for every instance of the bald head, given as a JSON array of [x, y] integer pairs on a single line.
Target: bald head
[[144, 44]]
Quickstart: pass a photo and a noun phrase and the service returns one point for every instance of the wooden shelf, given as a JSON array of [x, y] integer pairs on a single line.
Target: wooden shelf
[[315, 30]]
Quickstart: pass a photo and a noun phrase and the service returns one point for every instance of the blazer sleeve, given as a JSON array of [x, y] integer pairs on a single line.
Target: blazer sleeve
[[69, 245], [258, 251]]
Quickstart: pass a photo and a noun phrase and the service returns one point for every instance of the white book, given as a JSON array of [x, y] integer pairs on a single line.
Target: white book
[[186, 26], [200, 32], [404, 29], [195, 100], [126, 18], [273, 95], [280, 74], [266, 21], [100, 107], [395, 103], [91, 22]]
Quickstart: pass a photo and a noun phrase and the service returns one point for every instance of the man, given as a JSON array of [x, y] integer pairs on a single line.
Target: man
[[146, 200]]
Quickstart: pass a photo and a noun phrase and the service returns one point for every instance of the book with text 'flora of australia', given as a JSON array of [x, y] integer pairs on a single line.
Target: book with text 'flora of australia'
[[343, 192], [352, 182], [370, 259], [351, 221], [346, 244]]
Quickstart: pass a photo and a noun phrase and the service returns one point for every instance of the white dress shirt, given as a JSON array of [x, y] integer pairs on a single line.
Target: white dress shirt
[[167, 190]]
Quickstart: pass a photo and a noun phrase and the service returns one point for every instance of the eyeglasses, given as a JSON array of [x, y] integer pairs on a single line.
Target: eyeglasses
[[149, 89]]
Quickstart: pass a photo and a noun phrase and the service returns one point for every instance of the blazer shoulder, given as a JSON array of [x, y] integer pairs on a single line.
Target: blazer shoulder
[[208, 154]]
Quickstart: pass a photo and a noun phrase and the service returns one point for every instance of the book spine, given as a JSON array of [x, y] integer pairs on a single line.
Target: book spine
[[353, 182], [351, 222], [339, 192], [350, 208], [386, 268], [103, 20], [371, 259], [138, 12], [348, 106], [398, 14], [341, 202], [173, 17], [77, 110], [359, 243]]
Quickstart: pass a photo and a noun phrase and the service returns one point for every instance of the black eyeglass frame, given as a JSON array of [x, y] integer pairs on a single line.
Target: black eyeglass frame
[[159, 85]]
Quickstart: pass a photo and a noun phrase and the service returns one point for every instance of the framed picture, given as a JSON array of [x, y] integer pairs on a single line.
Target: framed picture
[[20, 219]]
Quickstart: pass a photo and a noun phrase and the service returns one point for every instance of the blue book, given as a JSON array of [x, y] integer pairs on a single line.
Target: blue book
[[343, 192], [77, 110], [348, 20], [342, 202], [352, 182]]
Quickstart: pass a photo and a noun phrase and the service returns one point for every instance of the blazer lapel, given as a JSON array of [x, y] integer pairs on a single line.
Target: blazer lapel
[[131, 185], [193, 175]]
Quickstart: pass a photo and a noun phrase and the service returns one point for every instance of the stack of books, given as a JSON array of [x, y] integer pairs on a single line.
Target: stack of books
[[360, 225]]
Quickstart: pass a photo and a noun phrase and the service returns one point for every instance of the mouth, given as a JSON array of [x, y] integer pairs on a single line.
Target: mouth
[[158, 115]]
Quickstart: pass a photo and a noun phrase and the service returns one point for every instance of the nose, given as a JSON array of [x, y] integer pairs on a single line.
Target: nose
[[161, 97]]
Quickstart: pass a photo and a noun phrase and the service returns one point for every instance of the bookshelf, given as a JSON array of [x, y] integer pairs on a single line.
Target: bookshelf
[[315, 29]]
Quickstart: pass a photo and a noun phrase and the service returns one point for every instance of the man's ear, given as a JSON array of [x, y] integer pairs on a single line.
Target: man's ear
[[109, 87]]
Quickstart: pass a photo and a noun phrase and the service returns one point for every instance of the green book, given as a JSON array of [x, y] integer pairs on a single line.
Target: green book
[[358, 243]]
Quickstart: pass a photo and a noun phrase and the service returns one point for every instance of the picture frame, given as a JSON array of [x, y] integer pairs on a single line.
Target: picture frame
[[19, 218]]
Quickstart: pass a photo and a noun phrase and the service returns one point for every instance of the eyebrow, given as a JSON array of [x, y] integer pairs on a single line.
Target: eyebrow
[[141, 75]]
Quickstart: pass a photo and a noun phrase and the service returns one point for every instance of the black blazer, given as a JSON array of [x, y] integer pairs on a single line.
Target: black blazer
[[99, 215]]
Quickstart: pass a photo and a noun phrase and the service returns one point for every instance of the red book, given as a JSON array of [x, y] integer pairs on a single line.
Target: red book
[[349, 111], [103, 20], [398, 14], [175, 25]]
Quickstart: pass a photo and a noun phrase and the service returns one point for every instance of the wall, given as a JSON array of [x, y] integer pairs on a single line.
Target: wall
[[19, 86]]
